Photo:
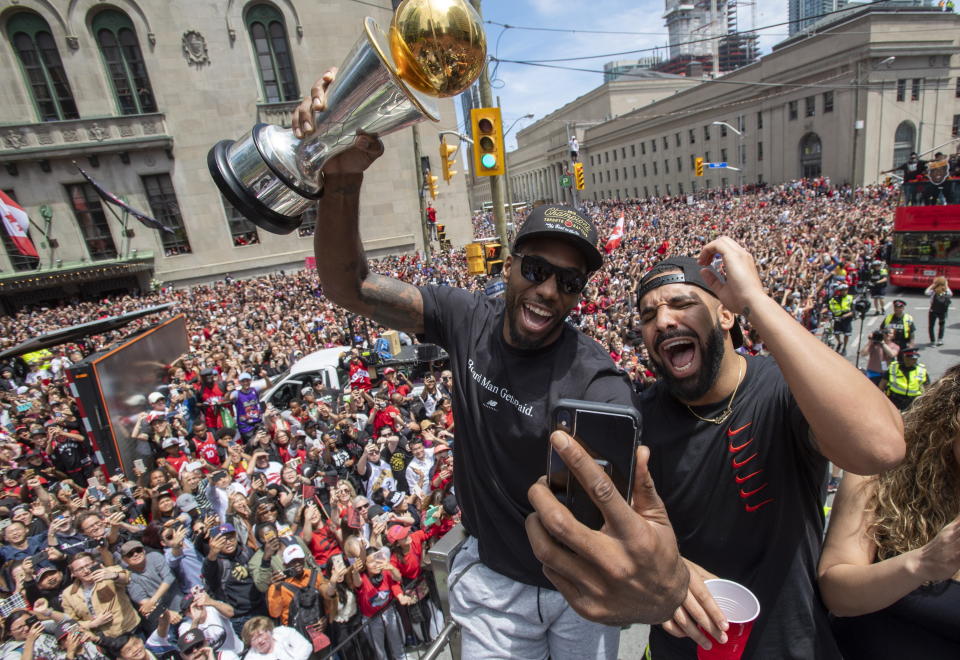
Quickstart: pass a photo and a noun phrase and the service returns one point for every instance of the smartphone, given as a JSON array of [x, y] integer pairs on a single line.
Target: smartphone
[[610, 433], [138, 464]]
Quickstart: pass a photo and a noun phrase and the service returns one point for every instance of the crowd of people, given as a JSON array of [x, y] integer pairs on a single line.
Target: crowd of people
[[264, 533]]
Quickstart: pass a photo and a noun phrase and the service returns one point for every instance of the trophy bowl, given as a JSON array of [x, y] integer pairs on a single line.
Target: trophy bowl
[[436, 49]]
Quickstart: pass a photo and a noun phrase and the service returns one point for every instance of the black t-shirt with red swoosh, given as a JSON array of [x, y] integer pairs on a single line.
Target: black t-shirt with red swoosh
[[745, 498]]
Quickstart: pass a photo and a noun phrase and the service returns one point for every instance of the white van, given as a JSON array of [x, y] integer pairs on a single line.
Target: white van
[[320, 364]]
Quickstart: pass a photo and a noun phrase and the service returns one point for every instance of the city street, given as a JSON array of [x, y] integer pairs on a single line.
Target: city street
[[937, 358]]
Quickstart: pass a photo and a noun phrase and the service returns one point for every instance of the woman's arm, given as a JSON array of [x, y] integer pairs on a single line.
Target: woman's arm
[[851, 581]]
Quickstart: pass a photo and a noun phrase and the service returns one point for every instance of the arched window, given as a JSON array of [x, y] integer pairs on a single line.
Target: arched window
[[811, 154], [274, 64], [121, 53], [42, 67], [903, 142]]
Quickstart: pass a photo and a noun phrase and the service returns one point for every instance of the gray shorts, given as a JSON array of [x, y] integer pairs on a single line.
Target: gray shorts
[[502, 618]]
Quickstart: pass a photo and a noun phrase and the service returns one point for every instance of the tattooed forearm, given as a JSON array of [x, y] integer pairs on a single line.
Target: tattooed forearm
[[392, 303]]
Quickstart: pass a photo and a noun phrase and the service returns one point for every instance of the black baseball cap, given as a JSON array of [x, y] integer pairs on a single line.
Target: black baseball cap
[[192, 639], [564, 223], [663, 273]]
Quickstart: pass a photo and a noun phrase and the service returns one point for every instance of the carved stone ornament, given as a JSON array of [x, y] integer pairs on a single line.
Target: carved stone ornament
[[44, 137], [195, 48], [126, 130], [149, 128], [13, 139], [70, 135], [73, 42], [96, 132]]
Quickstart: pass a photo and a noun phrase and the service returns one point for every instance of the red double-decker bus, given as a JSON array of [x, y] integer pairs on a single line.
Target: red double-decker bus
[[926, 243]]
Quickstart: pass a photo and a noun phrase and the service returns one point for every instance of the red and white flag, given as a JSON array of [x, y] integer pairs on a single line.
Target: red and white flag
[[614, 241], [17, 224]]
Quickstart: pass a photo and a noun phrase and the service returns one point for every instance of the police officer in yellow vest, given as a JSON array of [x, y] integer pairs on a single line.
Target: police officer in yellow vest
[[904, 329], [906, 379], [841, 306]]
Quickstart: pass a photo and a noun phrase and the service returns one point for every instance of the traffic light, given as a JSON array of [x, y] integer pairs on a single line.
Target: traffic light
[[698, 166], [578, 176], [441, 233], [432, 185], [447, 159], [488, 152]]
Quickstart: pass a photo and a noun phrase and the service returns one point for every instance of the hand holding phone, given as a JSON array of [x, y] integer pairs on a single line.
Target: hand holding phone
[[629, 572], [610, 434]]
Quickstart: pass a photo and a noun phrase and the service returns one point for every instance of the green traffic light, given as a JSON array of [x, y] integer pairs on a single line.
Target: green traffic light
[[489, 161]]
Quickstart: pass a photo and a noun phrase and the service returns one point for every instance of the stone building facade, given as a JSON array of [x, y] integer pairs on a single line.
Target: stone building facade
[[848, 100], [543, 153], [136, 93]]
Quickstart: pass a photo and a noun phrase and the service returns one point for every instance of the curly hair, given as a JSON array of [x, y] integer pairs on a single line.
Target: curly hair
[[915, 500]]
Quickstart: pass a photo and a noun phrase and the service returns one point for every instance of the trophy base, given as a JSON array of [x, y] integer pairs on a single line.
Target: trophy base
[[246, 202]]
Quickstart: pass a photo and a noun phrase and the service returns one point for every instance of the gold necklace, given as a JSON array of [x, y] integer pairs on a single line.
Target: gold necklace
[[725, 415]]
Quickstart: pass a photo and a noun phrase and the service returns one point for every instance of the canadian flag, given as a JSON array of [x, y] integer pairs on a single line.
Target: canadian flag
[[614, 241], [16, 223]]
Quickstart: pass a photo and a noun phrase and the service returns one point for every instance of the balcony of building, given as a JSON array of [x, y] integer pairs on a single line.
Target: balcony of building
[[52, 140]]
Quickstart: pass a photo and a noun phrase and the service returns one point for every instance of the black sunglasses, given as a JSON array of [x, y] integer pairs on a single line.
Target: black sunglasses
[[538, 270]]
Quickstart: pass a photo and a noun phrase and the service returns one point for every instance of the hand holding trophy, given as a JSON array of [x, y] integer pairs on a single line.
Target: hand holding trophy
[[436, 49]]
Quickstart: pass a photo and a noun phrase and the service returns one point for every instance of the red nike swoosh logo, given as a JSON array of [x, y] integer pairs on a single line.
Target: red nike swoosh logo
[[741, 480], [739, 464], [744, 494], [735, 448], [733, 432], [751, 508]]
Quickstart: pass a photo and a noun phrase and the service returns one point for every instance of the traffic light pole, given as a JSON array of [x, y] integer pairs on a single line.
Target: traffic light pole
[[496, 192], [573, 186], [421, 192]]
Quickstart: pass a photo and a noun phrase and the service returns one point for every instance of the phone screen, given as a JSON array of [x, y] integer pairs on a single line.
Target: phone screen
[[611, 437]]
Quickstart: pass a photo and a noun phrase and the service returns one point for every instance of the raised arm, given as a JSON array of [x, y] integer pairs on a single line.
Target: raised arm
[[852, 422], [341, 262]]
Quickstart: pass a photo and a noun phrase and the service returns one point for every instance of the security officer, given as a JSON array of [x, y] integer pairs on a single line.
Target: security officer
[[906, 379], [904, 329], [841, 306], [878, 276]]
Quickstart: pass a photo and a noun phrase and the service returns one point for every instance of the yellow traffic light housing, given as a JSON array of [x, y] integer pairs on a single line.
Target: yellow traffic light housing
[[447, 159], [698, 166], [488, 153], [432, 185], [578, 176]]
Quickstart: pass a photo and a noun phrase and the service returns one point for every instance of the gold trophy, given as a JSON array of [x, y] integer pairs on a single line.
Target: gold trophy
[[436, 48]]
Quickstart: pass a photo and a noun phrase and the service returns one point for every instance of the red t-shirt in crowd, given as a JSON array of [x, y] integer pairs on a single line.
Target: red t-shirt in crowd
[[383, 418], [323, 544], [373, 598]]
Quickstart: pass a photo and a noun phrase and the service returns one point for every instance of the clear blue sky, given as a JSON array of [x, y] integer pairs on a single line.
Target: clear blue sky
[[529, 89]]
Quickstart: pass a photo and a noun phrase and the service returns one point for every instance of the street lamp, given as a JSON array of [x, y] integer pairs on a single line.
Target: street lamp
[[506, 166], [739, 149]]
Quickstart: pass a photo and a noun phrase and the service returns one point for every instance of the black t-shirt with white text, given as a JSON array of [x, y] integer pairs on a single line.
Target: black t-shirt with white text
[[745, 499], [502, 402], [398, 459]]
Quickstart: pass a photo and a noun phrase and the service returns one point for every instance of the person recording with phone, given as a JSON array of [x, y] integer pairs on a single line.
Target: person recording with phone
[[879, 351], [511, 359], [739, 449], [107, 610]]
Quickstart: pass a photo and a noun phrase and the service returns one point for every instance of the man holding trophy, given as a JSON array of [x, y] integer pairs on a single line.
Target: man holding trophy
[[502, 599]]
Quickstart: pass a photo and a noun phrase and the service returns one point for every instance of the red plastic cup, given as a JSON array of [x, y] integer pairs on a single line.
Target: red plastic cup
[[741, 608]]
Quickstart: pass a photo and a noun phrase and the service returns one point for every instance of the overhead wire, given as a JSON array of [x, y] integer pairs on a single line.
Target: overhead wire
[[725, 35]]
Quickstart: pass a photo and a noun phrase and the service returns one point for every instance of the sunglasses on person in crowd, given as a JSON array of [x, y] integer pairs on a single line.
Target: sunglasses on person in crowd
[[538, 270]]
